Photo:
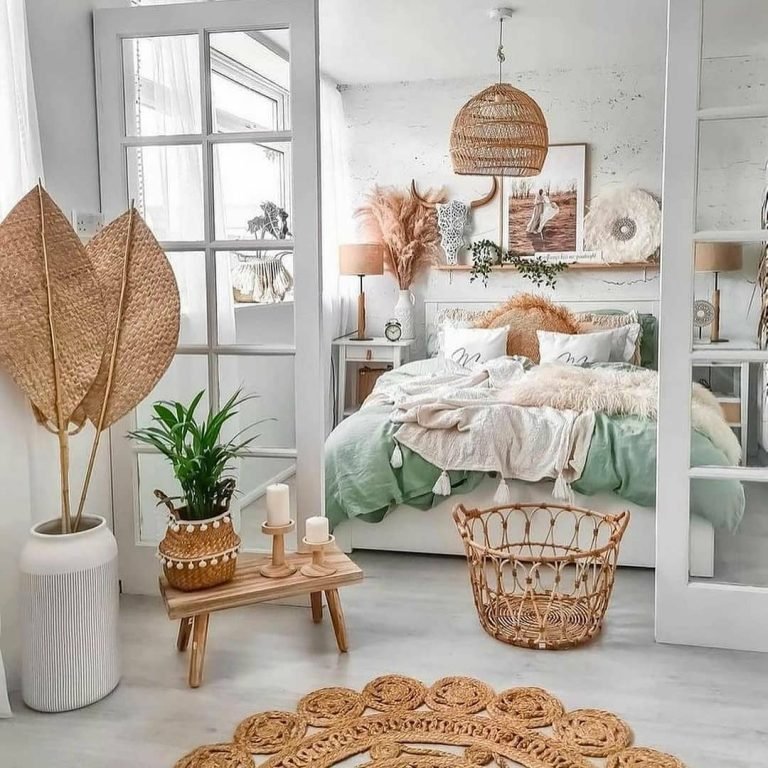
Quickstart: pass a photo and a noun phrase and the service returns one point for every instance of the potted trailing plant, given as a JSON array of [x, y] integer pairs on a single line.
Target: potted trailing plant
[[410, 234], [85, 332], [487, 254], [200, 546]]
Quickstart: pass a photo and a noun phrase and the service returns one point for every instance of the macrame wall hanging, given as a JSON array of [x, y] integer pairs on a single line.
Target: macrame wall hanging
[[762, 271], [453, 219], [262, 277]]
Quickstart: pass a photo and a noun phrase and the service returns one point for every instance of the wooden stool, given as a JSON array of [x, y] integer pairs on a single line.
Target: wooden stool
[[193, 609]]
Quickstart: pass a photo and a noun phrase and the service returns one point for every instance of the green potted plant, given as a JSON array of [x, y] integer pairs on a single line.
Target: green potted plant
[[200, 546]]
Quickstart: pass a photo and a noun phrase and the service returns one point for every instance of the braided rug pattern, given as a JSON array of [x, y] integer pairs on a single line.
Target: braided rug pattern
[[458, 722]]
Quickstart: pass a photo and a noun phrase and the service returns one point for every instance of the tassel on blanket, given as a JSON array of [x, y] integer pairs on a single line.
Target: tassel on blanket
[[503, 495], [562, 489], [396, 460], [443, 485]]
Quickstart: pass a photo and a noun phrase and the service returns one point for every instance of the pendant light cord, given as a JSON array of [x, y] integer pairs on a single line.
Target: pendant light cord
[[500, 50]]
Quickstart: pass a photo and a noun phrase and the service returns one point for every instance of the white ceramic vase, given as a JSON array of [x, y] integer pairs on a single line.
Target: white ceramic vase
[[69, 616], [403, 313]]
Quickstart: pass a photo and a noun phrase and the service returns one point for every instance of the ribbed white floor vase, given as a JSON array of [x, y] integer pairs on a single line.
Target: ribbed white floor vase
[[70, 603]]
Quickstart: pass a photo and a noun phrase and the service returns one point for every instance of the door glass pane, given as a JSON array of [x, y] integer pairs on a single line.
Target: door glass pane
[[186, 376], [252, 191], [162, 85], [250, 80], [734, 54], [255, 297], [730, 517], [271, 379], [189, 270], [154, 472], [254, 475], [731, 173], [167, 186]]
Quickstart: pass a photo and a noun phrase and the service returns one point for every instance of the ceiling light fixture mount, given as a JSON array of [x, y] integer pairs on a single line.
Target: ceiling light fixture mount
[[500, 131]]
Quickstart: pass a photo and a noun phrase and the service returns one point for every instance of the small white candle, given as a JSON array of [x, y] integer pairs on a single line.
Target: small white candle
[[278, 504], [317, 530]]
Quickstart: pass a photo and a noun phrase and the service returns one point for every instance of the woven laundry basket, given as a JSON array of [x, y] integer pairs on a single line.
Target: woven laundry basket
[[541, 574]]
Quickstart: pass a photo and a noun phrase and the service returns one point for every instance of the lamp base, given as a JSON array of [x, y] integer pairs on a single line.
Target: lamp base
[[717, 341]]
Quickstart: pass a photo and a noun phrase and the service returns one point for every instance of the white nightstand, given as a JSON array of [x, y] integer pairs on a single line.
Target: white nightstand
[[376, 350]]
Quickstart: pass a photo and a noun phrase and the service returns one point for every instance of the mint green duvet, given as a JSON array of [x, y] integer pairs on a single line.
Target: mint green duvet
[[622, 458]]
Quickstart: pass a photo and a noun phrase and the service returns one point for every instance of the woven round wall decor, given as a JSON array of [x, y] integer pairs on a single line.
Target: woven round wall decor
[[624, 224], [458, 722]]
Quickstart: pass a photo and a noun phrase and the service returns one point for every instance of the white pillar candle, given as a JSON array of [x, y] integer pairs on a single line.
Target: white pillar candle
[[317, 530], [278, 504]]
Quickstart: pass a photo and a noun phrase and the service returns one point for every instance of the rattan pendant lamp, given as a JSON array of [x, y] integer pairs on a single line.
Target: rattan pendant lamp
[[500, 131]]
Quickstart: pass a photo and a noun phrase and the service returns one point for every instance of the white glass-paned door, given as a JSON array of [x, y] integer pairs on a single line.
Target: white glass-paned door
[[712, 524], [208, 114]]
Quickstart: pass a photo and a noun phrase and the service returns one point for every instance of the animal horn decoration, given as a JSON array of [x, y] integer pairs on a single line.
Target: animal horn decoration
[[479, 203], [485, 199]]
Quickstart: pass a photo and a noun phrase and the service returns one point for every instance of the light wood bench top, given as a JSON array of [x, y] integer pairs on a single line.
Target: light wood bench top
[[249, 586]]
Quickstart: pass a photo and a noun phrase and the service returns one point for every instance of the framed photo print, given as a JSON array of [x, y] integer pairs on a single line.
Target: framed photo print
[[545, 213]]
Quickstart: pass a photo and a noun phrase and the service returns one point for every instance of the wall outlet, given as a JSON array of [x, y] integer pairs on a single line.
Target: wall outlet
[[86, 224]]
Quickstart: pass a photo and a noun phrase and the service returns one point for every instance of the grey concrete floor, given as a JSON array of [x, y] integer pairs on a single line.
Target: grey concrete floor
[[413, 615]]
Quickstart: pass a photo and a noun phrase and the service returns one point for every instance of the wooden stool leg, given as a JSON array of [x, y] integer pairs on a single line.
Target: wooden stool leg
[[317, 606], [337, 617], [185, 630], [197, 657]]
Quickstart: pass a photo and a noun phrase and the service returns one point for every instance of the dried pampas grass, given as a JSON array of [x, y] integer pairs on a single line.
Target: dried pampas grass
[[407, 228]]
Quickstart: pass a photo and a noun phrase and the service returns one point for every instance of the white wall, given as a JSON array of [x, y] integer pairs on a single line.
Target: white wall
[[400, 130]]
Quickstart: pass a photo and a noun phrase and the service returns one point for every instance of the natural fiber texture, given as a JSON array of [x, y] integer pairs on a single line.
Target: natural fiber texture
[[407, 228], [593, 732], [149, 330], [640, 757], [435, 735], [77, 313], [501, 131], [541, 574], [525, 314]]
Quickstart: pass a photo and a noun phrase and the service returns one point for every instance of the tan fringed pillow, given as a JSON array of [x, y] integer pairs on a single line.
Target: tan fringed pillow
[[525, 314], [589, 322]]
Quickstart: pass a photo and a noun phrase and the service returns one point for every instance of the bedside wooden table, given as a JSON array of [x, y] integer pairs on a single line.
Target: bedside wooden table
[[193, 609], [376, 350]]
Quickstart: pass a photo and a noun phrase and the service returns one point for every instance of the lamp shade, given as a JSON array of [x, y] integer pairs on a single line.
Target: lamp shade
[[361, 259], [500, 131], [718, 257]]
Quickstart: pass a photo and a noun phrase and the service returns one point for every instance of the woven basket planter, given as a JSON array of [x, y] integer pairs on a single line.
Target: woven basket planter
[[198, 554], [541, 574]]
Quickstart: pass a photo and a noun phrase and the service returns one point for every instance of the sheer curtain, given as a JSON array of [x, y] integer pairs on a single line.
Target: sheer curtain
[[21, 167], [337, 226]]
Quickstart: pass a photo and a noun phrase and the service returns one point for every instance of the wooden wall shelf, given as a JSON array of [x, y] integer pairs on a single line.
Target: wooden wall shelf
[[585, 265]]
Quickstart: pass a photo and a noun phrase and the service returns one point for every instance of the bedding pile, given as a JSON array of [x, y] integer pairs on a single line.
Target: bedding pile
[[434, 428]]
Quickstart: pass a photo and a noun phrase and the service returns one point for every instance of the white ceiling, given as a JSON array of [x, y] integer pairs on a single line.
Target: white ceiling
[[363, 41]]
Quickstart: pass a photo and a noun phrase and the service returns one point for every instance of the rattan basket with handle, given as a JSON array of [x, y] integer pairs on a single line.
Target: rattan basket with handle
[[541, 574], [198, 554]]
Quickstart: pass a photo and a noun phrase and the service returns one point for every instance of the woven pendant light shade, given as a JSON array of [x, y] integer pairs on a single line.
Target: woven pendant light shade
[[501, 131]]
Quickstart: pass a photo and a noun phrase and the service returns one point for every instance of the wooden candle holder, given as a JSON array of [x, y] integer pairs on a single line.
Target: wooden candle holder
[[317, 567], [278, 568]]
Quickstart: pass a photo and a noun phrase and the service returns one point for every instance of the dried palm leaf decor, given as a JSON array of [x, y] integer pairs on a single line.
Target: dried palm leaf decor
[[500, 131], [406, 227], [85, 332]]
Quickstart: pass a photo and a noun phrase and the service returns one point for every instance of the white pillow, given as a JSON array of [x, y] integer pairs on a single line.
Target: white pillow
[[575, 349], [624, 342], [467, 346]]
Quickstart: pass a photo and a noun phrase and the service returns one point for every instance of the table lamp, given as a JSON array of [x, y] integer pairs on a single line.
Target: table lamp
[[361, 259], [717, 257]]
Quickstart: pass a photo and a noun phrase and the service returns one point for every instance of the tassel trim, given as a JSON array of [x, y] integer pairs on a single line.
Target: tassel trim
[[503, 495], [562, 489], [396, 460], [443, 485]]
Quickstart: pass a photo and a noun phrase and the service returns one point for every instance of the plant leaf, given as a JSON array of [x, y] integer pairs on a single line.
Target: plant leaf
[[149, 330], [78, 313]]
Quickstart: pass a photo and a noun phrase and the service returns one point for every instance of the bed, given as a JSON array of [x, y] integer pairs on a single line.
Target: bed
[[375, 506]]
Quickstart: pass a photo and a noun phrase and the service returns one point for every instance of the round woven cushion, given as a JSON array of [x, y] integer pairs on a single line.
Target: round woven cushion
[[524, 315]]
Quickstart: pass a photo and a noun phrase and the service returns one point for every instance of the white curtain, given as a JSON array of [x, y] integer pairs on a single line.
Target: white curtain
[[338, 294], [21, 167]]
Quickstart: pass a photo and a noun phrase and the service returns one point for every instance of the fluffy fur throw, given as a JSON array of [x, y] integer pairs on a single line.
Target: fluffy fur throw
[[617, 392], [525, 314]]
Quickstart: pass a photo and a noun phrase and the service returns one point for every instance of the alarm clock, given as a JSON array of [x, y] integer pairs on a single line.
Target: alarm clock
[[393, 330]]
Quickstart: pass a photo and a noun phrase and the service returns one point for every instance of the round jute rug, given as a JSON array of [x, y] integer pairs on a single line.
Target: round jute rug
[[458, 722]]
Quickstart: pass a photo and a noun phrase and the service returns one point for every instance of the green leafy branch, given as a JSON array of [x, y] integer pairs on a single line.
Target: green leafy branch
[[487, 254]]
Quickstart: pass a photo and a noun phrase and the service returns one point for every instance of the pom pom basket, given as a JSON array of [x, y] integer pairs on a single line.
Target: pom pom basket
[[541, 574]]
